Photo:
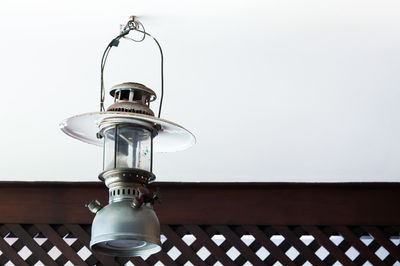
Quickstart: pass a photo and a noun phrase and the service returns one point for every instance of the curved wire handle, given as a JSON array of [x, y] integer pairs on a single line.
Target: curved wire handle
[[132, 25]]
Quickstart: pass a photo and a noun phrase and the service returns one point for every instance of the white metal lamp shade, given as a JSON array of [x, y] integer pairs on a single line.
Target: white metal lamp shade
[[171, 136]]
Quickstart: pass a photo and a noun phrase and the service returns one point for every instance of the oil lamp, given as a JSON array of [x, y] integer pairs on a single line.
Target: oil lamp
[[129, 133]]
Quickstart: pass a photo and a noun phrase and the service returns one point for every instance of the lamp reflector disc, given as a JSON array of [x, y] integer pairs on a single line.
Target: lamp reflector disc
[[171, 137]]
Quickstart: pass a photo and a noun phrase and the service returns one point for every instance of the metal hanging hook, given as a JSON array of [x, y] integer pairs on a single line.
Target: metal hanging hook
[[134, 25]]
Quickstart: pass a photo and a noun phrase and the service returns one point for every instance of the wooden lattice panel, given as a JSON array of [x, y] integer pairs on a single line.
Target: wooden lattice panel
[[68, 244]]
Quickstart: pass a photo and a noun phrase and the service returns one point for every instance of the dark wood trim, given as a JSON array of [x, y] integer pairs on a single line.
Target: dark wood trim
[[214, 203]]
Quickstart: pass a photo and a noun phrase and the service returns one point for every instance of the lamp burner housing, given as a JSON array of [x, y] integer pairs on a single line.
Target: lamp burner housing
[[132, 97]]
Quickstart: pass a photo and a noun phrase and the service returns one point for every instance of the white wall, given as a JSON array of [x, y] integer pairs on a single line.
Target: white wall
[[273, 90]]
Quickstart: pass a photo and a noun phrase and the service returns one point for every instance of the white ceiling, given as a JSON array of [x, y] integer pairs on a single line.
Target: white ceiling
[[273, 90]]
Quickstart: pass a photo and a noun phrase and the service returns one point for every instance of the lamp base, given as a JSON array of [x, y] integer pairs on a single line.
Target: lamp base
[[119, 229]]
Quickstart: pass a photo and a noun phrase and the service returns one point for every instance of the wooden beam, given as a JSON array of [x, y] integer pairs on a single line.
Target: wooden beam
[[214, 203]]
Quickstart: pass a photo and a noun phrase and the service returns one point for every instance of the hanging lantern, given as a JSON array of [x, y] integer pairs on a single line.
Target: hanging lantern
[[129, 134]]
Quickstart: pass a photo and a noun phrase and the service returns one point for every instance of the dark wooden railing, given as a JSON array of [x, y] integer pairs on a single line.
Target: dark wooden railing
[[212, 224]]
